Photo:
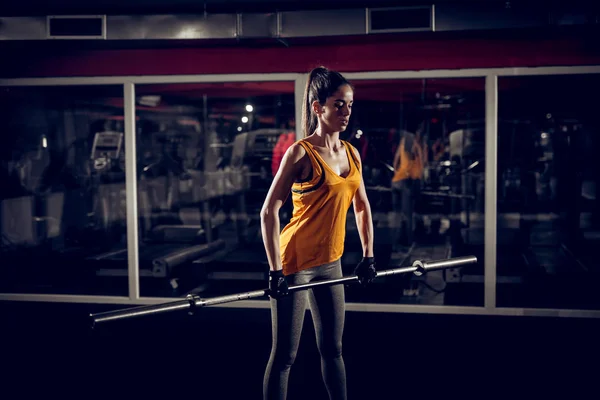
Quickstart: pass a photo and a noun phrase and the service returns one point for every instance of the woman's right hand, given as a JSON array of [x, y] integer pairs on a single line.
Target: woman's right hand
[[278, 286]]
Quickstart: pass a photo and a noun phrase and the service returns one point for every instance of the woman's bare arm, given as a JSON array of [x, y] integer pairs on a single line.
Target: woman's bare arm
[[363, 215], [289, 170]]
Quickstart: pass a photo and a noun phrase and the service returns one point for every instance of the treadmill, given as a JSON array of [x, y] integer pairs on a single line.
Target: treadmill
[[168, 246]]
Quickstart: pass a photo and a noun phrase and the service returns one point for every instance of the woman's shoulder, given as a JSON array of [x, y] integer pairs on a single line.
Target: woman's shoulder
[[347, 143], [351, 147], [297, 150]]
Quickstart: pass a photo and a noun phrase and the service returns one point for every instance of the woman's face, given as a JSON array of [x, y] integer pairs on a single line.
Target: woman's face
[[334, 115]]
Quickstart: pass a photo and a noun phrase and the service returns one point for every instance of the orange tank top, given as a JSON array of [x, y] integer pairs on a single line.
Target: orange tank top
[[409, 169], [316, 232]]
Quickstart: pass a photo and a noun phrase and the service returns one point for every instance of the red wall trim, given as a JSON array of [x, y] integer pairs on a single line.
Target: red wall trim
[[397, 54]]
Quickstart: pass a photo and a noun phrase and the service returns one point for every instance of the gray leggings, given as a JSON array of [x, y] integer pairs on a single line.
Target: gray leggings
[[327, 305]]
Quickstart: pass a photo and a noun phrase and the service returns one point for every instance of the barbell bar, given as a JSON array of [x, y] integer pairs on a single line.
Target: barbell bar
[[192, 302]]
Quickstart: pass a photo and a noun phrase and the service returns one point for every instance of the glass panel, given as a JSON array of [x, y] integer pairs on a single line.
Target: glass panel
[[62, 203], [206, 154], [548, 221], [430, 206]]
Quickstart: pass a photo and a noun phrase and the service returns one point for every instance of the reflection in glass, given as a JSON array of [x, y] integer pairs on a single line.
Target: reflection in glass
[[422, 146], [547, 192], [207, 154], [62, 175]]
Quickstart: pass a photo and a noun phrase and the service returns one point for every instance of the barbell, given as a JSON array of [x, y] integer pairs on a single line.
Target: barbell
[[191, 302]]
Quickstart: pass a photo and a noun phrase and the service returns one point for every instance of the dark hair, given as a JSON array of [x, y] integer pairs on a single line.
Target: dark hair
[[322, 83]]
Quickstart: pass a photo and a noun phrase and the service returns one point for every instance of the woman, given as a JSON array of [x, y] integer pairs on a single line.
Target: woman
[[409, 163], [324, 176]]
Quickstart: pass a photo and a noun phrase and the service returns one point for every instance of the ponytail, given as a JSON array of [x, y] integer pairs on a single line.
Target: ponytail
[[309, 120]]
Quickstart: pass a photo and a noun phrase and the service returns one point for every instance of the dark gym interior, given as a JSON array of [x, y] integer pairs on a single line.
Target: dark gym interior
[[503, 96]]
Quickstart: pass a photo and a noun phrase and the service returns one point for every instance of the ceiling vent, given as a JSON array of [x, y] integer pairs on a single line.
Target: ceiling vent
[[400, 19], [76, 27]]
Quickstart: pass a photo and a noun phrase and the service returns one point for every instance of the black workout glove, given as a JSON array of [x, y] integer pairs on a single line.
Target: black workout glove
[[278, 286], [365, 270]]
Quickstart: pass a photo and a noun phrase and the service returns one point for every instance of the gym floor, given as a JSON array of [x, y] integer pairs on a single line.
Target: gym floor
[[220, 353]]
